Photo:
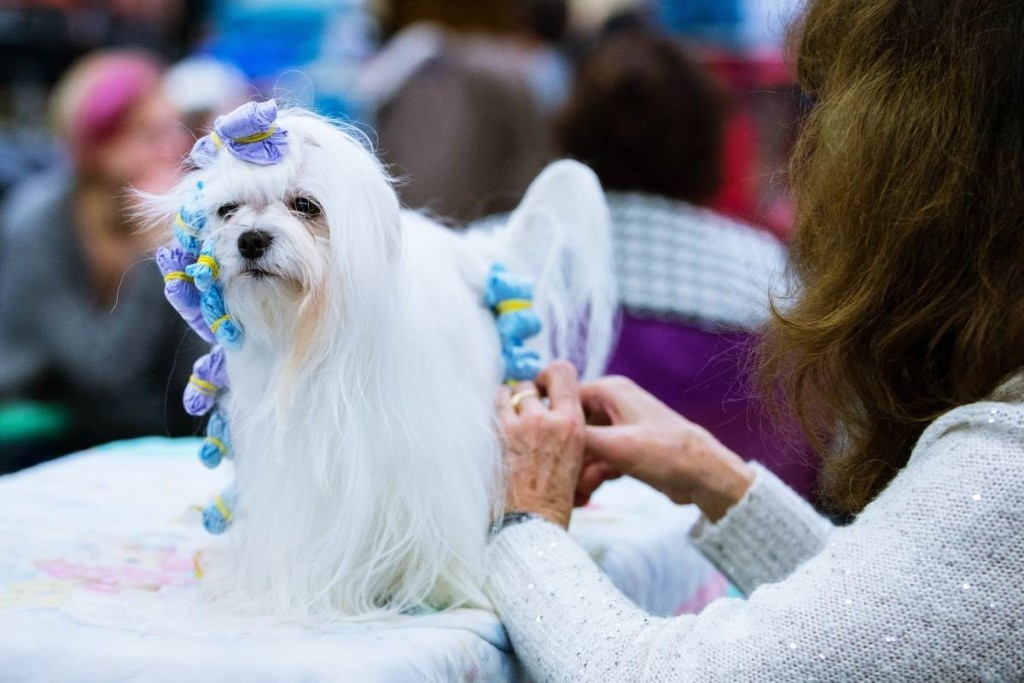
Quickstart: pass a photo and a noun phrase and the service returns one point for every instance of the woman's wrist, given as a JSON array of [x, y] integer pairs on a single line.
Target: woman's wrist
[[511, 519], [556, 514], [708, 475], [725, 485]]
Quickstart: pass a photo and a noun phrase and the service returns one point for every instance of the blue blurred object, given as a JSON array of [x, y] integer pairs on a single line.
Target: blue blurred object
[[730, 24], [325, 40], [719, 22]]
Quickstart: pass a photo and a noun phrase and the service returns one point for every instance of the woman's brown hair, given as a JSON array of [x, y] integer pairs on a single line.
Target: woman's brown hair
[[908, 260]]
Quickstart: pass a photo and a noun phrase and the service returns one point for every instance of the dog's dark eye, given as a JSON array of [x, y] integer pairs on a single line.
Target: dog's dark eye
[[226, 211], [306, 206]]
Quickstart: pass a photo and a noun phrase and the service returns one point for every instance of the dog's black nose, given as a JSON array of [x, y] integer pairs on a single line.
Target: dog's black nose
[[253, 243]]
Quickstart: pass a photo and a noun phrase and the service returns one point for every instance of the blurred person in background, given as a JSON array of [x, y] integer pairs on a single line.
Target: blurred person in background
[[89, 349], [693, 284], [457, 124], [538, 48], [465, 119]]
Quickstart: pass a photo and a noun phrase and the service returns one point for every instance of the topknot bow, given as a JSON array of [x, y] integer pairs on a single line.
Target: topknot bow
[[249, 133]]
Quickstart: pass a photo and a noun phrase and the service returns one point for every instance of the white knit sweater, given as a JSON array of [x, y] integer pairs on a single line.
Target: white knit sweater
[[924, 586]]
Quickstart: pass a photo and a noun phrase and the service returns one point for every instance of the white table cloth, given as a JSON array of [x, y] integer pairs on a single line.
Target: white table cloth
[[98, 582]]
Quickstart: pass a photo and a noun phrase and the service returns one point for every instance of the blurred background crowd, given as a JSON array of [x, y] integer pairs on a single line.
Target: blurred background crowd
[[684, 108]]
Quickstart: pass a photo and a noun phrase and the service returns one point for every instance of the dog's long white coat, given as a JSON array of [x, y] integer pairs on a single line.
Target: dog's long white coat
[[361, 402]]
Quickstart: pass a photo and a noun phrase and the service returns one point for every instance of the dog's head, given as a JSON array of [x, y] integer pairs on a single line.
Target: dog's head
[[303, 242]]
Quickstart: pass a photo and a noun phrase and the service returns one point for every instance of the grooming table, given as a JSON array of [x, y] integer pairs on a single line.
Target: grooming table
[[98, 582]]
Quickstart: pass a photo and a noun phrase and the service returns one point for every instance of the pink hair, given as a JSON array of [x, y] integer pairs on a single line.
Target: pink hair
[[93, 98]]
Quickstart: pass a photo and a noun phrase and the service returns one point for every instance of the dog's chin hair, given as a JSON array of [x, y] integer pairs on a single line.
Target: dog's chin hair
[[270, 307], [355, 496]]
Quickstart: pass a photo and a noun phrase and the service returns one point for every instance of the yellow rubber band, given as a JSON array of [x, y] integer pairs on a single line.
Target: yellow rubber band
[[219, 444], [222, 508], [218, 322], [185, 226], [178, 275], [195, 565], [255, 137], [217, 142], [205, 388], [513, 305], [210, 263]]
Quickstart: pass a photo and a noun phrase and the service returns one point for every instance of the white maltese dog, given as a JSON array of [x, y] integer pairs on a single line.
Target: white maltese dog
[[366, 457]]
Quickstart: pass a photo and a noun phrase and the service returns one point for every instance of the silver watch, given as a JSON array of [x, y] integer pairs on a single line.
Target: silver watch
[[511, 519]]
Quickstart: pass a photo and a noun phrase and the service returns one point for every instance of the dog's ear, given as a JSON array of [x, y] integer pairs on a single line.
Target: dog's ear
[[362, 214], [354, 190], [564, 205]]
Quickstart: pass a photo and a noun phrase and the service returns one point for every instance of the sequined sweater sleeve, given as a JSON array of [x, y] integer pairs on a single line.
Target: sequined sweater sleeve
[[921, 587]]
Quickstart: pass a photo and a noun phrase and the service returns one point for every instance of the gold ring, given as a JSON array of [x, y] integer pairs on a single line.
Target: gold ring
[[520, 395]]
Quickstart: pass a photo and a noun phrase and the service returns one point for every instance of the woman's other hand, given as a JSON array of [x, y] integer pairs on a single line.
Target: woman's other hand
[[543, 443], [632, 432], [593, 473]]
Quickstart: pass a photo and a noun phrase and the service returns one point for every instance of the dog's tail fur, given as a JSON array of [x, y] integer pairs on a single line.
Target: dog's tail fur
[[561, 235]]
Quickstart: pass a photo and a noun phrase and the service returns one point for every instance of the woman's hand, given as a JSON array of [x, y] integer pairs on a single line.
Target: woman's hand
[[634, 433], [543, 443]]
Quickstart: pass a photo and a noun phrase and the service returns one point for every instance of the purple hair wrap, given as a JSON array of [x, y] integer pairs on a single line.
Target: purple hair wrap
[[180, 289], [249, 133], [209, 378]]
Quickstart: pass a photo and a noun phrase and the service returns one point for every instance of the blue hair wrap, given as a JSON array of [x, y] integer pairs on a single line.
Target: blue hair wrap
[[521, 363], [221, 323], [217, 444], [220, 513], [189, 224], [511, 299], [206, 270]]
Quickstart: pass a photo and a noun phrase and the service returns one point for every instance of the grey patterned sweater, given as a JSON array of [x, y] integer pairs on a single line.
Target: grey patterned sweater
[[923, 586], [678, 261], [120, 369]]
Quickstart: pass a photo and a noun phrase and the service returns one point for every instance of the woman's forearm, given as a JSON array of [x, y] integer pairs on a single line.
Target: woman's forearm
[[722, 482], [764, 536]]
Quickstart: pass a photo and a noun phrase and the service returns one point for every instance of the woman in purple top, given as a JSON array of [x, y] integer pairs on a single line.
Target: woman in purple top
[[694, 285]]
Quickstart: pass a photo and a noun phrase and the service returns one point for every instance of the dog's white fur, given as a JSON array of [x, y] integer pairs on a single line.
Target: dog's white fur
[[361, 402]]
